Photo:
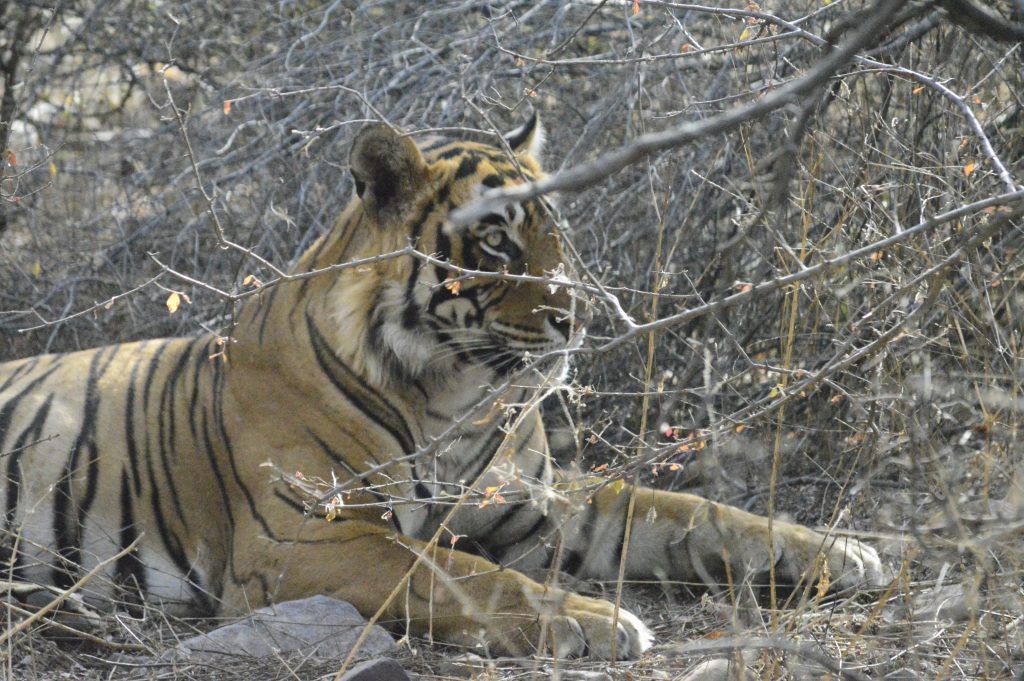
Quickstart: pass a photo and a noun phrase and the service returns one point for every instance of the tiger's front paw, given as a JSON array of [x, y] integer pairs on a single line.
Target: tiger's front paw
[[585, 630], [852, 563], [567, 625], [808, 557]]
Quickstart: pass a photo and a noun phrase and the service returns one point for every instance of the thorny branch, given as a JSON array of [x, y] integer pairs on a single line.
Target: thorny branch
[[585, 175]]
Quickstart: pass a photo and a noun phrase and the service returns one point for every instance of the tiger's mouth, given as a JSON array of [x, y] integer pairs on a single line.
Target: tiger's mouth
[[510, 354], [502, 355], [505, 362]]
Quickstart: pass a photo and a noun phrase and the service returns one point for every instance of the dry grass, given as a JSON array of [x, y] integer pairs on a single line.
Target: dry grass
[[882, 394], [978, 640]]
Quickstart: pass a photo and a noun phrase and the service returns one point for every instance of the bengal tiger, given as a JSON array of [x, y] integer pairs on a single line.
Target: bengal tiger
[[395, 379]]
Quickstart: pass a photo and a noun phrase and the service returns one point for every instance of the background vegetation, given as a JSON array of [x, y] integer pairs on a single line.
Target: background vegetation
[[819, 200]]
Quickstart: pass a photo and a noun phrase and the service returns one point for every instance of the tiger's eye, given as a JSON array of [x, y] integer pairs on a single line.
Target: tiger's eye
[[494, 239]]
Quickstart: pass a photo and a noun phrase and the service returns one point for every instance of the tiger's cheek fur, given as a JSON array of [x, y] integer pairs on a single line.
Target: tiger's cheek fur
[[403, 335]]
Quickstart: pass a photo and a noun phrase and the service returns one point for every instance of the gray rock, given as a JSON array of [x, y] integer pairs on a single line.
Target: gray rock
[[381, 669], [952, 602], [320, 625], [585, 675], [719, 669]]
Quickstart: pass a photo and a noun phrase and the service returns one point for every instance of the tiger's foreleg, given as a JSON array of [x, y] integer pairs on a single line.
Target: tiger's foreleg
[[453, 596], [686, 537]]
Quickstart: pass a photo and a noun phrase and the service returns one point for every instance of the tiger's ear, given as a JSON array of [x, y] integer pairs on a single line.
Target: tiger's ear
[[388, 169], [527, 139]]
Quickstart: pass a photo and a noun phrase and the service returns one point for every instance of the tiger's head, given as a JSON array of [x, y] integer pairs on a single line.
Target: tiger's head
[[424, 318]]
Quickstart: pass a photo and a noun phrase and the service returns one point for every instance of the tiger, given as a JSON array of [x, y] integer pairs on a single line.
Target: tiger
[[399, 359]]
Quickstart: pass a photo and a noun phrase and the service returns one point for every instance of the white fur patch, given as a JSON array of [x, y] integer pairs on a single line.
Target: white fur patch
[[412, 347], [535, 144], [644, 635]]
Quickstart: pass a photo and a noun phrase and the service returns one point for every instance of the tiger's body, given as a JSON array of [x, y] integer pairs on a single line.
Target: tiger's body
[[382, 376]]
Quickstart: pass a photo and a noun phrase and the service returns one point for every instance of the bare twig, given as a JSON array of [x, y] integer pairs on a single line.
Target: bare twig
[[584, 175], [67, 593]]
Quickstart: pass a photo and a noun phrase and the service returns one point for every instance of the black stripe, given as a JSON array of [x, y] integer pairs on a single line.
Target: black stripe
[[317, 250], [410, 313], [434, 144], [339, 460], [69, 514], [420, 489], [171, 542], [423, 391], [493, 219], [494, 181], [444, 250], [202, 361], [168, 537], [452, 153], [291, 502], [225, 440], [518, 137], [484, 455], [500, 523], [358, 392], [25, 368], [32, 433], [417, 232], [217, 417], [467, 166], [225, 501], [575, 558], [572, 561], [167, 420], [149, 383], [266, 308], [129, 571], [95, 398], [497, 550], [130, 411], [622, 506], [211, 457], [9, 407], [111, 351]]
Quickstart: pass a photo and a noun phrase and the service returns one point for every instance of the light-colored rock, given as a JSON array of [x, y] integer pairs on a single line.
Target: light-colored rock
[[951, 602], [320, 626], [719, 669], [584, 675], [381, 669]]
